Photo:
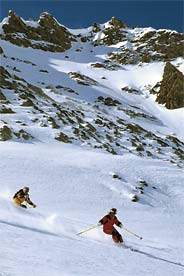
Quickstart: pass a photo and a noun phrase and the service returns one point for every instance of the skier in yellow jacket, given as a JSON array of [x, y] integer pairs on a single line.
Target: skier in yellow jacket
[[23, 196]]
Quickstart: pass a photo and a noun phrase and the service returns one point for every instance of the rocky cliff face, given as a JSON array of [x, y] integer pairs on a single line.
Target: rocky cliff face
[[171, 91], [139, 46], [144, 47], [33, 34]]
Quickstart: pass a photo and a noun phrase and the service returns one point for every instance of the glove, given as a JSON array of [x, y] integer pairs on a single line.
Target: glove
[[121, 225], [34, 205], [99, 224]]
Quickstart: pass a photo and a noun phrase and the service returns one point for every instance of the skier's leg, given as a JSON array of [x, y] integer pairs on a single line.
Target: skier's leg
[[23, 206], [18, 203], [120, 237], [107, 231], [116, 236]]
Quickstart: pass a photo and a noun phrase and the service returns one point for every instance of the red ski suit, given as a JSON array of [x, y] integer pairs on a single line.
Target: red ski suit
[[108, 221]]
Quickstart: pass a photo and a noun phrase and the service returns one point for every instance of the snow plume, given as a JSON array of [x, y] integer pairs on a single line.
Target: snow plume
[[25, 219]]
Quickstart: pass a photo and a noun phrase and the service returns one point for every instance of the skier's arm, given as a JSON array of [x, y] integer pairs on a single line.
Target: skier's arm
[[19, 194], [100, 222], [30, 202], [119, 223], [103, 221]]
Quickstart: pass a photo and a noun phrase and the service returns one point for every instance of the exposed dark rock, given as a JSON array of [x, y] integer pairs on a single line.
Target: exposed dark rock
[[172, 88], [82, 79], [14, 25], [113, 35], [22, 134], [53, 123], [5, 133], [63, 138], [140, 148], [155, 88], [130, 90], [109, 65], [84, 39], [134, 198], [2, 96], [169, 44], [27, 103], [52, 31], [43, 71], [6, 110], [117, 23], [1, 51], [143, 183], [4, 76], [125, 57], [155, 45], [108, 101], [48, 30], [96, 28], [114, 175]]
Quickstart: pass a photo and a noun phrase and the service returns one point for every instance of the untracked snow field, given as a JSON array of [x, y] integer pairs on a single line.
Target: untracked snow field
[[73, 189]]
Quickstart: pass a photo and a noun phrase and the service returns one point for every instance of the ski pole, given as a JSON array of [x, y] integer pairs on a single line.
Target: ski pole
[[88, 229], [132, 233]]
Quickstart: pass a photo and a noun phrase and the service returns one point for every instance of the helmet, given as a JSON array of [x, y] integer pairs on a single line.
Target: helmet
[[113, 210], [26, 189]]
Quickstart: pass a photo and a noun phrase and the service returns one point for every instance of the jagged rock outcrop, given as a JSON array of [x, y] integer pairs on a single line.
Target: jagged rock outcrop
[[5, 79], [114, 33], [142, 45], [172, 88], [15, 24], [96, 27], [117, 23], [2, 97], [161, 45], [165, 45], [47, 29], [5, 133]]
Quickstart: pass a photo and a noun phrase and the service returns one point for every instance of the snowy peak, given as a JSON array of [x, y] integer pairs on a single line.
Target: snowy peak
[[46, 34], [130, 45], [14, 23], [117, 23]]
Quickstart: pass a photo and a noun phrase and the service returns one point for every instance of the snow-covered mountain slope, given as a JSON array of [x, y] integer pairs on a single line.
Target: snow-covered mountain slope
[[81, 126], [47, 96], [73, 189]]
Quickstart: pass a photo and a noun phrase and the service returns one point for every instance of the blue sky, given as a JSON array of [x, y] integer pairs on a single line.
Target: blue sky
[[77, 14]]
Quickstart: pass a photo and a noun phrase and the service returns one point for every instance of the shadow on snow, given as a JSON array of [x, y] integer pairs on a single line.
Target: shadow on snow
[[42, 231], [156, 258]]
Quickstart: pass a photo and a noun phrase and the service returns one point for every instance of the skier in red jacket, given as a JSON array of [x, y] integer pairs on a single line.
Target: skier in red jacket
[[108, 221]]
